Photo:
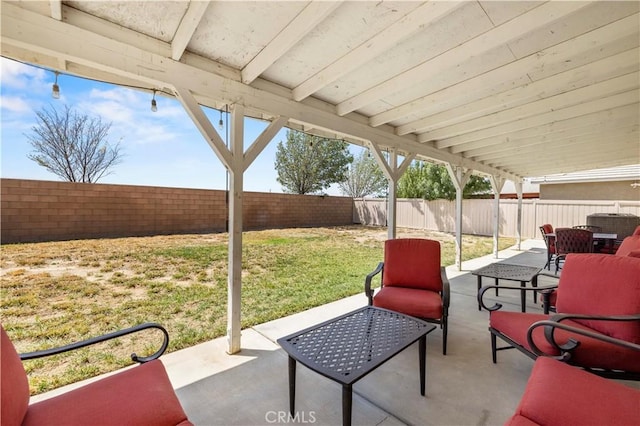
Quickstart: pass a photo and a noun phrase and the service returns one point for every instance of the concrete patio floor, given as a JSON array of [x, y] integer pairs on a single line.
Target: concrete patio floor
[[463, 388]]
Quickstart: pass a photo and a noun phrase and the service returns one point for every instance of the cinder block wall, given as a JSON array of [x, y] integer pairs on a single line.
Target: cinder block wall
[[49, 211]]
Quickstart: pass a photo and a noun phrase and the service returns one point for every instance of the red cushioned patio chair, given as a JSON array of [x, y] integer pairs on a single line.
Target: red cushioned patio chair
[[598, 293], [412, 282], [142, 395], [593, 400], [630, 246]]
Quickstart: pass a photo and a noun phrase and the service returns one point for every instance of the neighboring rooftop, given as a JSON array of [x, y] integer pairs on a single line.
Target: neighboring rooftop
[[597, 175]]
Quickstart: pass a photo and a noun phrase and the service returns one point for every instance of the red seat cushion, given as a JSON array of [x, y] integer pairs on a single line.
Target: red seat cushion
[[601, 284], [628, 245], [410, 301], [141, 395], [14, 386], [412, 263], [591, 353], [557, 393]]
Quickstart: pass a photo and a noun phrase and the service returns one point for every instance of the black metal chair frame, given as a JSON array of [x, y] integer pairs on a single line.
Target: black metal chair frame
[[444, 294], [105, 337], [565, 348]]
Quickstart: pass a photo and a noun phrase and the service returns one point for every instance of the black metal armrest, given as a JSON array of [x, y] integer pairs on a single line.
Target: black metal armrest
[[497, 306], [109, 336], [566, 347], [446, 292], [367, 282], [547, 274]]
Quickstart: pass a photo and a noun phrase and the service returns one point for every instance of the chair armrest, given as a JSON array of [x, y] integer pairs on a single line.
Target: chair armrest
[[566, 348], [547, 274], [497, 306], [446, 292], [102, 338], [367, 282]]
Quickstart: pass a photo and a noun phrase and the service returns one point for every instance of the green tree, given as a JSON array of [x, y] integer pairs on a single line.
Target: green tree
[[432, 181], [73, 146], [308, 164], [364, 177]]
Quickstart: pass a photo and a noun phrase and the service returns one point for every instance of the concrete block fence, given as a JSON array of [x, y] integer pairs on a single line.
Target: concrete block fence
[[33, 210]]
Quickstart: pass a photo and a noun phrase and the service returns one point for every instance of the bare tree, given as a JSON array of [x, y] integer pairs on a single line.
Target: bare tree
[[73, 146]]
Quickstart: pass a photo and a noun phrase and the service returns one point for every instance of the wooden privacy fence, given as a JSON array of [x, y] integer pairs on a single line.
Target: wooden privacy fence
[[477, 215]]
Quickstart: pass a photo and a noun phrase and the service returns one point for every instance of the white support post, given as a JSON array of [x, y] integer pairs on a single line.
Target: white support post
[[519, 217], [236, 162], [393, 172], [392, 198], [459, 180], [496, 184], [234, 289]]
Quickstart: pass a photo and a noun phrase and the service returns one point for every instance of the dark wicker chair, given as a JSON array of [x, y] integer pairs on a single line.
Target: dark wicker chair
[[412, 282], [572, 240], [550, 242]]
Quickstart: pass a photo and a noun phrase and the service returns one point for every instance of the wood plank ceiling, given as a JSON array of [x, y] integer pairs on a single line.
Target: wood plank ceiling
[[512, 89]]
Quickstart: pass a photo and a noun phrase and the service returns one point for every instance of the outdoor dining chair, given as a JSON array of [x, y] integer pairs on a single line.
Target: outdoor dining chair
[[550, 242], [572, 240], [413, 282]]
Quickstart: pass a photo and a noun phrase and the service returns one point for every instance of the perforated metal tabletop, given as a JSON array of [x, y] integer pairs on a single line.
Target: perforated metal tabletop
[[506, 271], [349, 347]]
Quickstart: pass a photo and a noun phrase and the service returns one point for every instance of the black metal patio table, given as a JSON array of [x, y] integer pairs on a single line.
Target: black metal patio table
[[506, 271], [347, 348]]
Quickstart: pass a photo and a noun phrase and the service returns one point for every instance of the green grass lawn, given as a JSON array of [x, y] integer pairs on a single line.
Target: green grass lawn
[[56, 293]]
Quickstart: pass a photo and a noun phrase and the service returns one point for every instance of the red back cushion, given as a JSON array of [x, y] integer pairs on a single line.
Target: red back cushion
[[548, 229], [602, 284], [413, 263], [14, 387], [629, 244]]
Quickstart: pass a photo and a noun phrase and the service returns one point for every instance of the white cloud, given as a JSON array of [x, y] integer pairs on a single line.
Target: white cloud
[[14, 104], [16, 75]]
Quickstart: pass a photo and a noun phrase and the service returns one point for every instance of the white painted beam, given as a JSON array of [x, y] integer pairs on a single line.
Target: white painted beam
[[204, 125], [416, 20], [602, 104], [314, 13], [597, 44], [584, 76], [587, 122], [31, 31], [623, 84], [56, 9], [498, 36], [262, 141], [187, 27], [584, 140]]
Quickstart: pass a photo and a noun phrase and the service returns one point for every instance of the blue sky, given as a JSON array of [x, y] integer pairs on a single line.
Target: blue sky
[[161, 148]]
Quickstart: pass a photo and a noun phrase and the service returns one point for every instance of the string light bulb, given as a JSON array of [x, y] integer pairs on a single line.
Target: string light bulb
[[55, 91], [220, 122], [154, 104]]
